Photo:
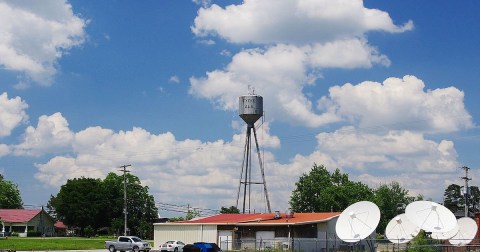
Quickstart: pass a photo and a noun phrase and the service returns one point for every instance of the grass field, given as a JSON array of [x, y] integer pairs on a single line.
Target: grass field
[[60, 243]]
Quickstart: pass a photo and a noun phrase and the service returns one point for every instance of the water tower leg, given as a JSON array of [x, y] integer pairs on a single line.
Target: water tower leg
[[262, 171]]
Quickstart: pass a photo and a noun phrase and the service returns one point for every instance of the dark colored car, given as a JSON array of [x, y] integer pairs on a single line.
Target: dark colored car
[[202, 247]]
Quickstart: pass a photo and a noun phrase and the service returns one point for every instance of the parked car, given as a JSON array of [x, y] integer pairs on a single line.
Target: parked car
[[202, 247], [207, 247], [175, 246], [127, 243]]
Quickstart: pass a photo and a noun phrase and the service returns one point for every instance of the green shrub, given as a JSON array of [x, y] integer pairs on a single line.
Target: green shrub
[[33, 234], [89, 232]]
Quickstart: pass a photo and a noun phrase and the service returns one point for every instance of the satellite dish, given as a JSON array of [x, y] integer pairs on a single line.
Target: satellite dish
[[467, 229], [445, 235], [401, 230], [431, 216], [357, 221]]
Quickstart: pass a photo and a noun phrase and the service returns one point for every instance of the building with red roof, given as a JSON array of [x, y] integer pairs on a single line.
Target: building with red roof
[[23, 220], [254, 231]]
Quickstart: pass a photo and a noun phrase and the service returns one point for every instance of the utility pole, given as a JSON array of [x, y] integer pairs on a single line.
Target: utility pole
[[467, 191], [124, 169]]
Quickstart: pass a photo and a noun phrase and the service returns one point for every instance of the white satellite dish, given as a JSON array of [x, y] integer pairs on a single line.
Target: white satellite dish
[[445, 235], [401, 230], [467, 231], [357, 221], [431, 216]]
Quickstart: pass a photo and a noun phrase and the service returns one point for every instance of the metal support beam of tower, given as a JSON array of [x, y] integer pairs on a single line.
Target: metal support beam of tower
[[262, 171], [466, 194], [247, 171]]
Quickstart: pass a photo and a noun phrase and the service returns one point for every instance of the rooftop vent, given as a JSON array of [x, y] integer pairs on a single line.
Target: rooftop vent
[[277, 215]]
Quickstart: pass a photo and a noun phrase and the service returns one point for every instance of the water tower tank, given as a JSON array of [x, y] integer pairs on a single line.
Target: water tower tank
[[250, 108]]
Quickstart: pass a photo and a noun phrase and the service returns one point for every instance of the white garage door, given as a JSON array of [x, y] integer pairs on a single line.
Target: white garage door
[[225, 238]]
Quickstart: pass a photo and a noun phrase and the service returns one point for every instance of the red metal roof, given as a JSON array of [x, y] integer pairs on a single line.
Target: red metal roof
[[261, 219], [60, 225], [18, 215]]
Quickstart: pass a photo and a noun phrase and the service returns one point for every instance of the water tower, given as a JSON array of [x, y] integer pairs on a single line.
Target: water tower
[[250, 110]]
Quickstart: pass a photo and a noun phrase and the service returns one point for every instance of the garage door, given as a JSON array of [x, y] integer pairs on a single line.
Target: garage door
[[265, 239]]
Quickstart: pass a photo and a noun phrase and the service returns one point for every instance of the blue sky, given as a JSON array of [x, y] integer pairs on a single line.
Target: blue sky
[[383, 90]]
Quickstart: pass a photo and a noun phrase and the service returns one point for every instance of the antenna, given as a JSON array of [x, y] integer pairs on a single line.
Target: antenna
[[401, 230], [250, 110], [467, 229], [357, 221], [431, 216]]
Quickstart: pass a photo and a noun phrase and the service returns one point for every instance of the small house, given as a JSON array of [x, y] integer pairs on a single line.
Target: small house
[[22, 221]]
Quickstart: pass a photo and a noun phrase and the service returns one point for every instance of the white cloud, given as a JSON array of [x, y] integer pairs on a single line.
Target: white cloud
[[351, 53], [204, 3], [302, 37], [4, 150], [393, 152], [36, 34], [51, 135], [277, 73], [298, 22], [174, 79], [399, 104], [12, 113], [211, 169]]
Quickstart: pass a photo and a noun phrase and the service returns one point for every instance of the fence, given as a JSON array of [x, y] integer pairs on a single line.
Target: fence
[[332, 245]]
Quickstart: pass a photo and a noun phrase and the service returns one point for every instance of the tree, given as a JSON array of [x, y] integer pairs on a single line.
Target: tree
[[141, 207], [229, 210], [83, 202], [9, 195], [421, 243], [453, 198], [322, 191], [391, 199], [80, 203], [474, 203]]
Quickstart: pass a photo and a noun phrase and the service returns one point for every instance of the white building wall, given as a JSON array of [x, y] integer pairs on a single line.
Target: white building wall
[[186, 233]]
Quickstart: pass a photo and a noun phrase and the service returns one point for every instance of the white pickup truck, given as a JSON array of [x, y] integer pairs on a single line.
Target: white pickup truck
[[127, 243]]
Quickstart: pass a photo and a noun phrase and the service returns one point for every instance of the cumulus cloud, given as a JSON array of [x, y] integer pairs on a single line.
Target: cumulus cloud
[[51, 135], [373, 159], [300, 38], [351, 53], [12, 113], [298, 22], [36, 34], [278, 73], [395, 151], [400, 104], [97, 151]]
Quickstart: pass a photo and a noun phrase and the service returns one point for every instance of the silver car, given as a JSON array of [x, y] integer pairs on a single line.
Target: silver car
[[175, 246]]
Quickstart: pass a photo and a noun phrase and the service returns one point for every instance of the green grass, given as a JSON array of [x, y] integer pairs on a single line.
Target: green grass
[[56, 243]]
